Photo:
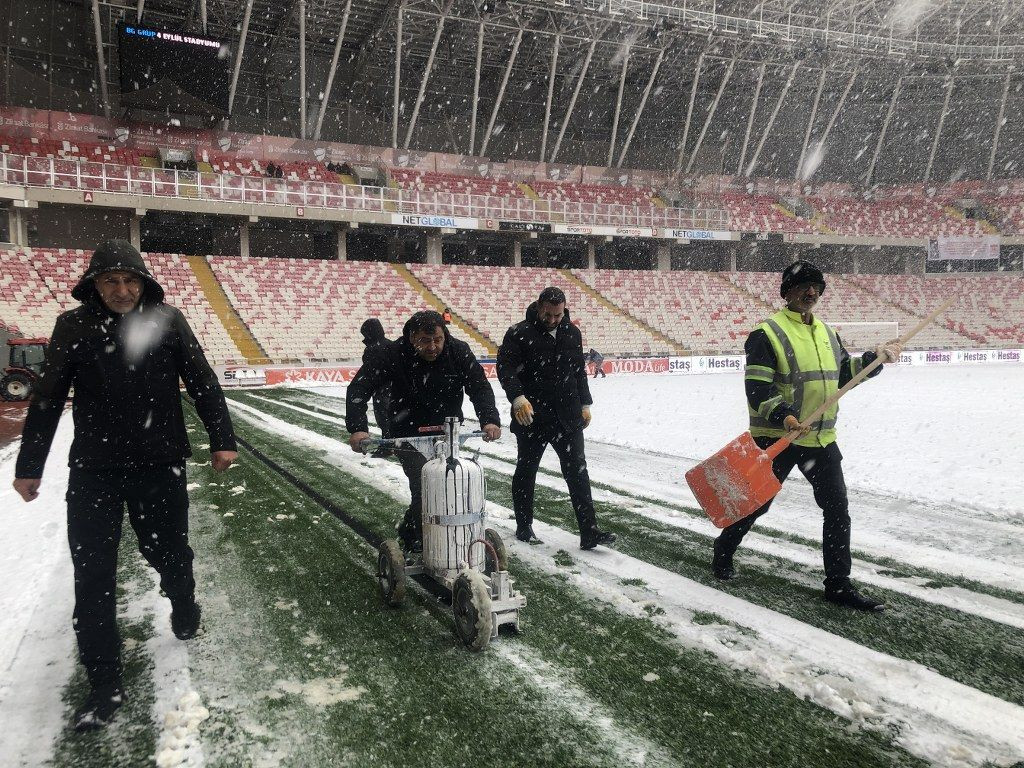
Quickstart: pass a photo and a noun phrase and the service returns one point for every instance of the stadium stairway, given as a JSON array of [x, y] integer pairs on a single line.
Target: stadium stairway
[[528, 190], [237, 330], [955, 213], [433, 301], [747, 295], [611, 306]]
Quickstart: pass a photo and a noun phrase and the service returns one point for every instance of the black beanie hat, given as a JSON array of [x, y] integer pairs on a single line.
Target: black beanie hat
[[800, 273]]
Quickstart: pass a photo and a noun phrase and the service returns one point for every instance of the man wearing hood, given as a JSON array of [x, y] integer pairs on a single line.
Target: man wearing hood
[[542, 370], [429, 373], [374, 338], [795, 362], [124, 351]]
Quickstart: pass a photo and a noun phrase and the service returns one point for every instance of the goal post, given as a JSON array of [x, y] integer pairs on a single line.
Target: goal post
[[861, 336]]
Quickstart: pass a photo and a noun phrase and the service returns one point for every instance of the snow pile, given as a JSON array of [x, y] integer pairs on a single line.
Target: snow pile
[[179, 739]]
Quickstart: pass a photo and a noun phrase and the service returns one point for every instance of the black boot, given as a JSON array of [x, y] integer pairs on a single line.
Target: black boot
[[721, 563], [99, 706], [185, 613], [849, 597], [593, 537], [525, 533]]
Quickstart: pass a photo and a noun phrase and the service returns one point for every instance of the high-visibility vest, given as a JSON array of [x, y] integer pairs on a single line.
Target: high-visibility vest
[[806, 374]]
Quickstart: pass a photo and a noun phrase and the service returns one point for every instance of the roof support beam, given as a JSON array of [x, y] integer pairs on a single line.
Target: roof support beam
[[202, 14], [238, 58], [618, 106], [398, 76], [476, 85], [332, 71], [810, 121], [640, 109], [835, 114], [501, 91], [750, 119], [999, 126], [771, 120], [426, 73], [938, 128], [711, 114], [689, 113], [572, 101], [100, 60], [551, 92], [302, 69], [885, 129], [138, 11]]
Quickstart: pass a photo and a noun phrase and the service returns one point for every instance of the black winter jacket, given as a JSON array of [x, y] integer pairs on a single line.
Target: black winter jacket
[[127, 405], [422, 393], [549, 371]]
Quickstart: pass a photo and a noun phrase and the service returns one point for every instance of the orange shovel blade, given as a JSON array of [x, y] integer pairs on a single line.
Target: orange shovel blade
[[735, 482]]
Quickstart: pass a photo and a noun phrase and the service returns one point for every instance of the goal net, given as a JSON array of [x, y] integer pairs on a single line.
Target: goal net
[[858, 337]]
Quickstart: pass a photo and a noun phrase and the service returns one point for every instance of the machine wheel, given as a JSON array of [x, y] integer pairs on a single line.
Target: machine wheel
[[391, 572], [471, 604], [491, 537], [16, 386]]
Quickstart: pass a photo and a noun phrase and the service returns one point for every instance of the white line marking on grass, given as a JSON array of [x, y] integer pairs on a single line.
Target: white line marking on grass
[[957, 598], [938, 719]]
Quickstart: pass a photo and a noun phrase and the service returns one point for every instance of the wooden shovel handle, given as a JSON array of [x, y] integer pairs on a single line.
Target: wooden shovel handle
[[863, 374]]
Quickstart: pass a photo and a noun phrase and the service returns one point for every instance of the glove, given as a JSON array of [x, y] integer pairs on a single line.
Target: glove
[[792, 424], [889, 351], [586, 416], [523, 410]]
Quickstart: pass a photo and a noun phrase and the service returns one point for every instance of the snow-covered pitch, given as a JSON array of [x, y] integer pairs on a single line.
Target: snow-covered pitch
[[931, 457]]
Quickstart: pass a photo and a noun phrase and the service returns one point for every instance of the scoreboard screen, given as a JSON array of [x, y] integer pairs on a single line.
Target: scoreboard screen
[[172, 71]]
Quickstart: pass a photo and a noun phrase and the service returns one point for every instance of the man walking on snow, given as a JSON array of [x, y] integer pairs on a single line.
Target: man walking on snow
[[542, 370], [794, 363], [124, 351], [429, 372]]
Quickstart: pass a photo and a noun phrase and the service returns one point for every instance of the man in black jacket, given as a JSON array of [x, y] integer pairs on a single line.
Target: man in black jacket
[[374, 338], [542, 370], [428, 371], [123, 350]]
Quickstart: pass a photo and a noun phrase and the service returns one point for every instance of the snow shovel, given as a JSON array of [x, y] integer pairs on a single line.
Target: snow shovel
[[738, 480]]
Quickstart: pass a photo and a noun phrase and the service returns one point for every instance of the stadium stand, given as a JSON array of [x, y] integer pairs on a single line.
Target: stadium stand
[[892, 218], [310, 309], [494, 298], [700, 310], [761, 213], [847, 300], [568, 191]]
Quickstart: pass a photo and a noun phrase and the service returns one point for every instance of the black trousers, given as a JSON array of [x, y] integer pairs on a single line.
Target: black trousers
[[823, 469], [157, 502], [598, 369], [532, 442], [412, 464]]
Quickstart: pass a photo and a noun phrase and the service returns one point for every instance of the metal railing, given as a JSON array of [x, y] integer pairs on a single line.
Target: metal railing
[[57, 173]]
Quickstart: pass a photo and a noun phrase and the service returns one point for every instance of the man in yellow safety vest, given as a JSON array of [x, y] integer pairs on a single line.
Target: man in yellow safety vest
[[794, 363]]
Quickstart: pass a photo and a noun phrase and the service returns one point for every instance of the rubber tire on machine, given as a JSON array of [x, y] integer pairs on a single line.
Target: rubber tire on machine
[[391, 572], [471, 604], [22, 387], [491, 537]]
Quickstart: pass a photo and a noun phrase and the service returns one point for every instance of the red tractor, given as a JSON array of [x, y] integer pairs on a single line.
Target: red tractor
[[25, 364]]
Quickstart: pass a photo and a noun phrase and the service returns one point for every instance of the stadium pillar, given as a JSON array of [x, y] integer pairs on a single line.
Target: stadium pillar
[[238, 59], [999, 125], [711, 115], [17, 223], [689, 113], [771, 120], [135, 230], [547, 104], [501, 90], [810, 122], [243, 239], [517, 252], [101, 62], [342, 232], [640, 108], [433, 248], [332, 71], [618, 106], [881, 136], [476, 85], [732, 260], [750, 120], [938, 129], [591, 255], [572, 99], [664, 257], [398, 77]]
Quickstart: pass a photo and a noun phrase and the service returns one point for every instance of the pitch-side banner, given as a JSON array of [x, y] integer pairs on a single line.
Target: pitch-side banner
[[964, 248], [667, 233]]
